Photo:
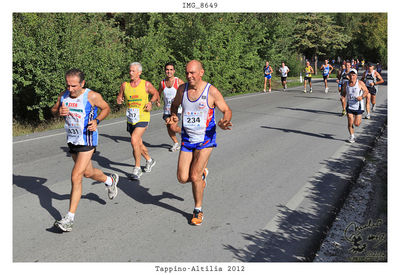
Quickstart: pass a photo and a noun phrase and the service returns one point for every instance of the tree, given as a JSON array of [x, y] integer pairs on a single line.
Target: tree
[[316, 35]]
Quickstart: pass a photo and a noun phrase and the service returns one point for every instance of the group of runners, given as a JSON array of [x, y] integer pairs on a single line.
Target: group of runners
[[192, 103], [352, 91]]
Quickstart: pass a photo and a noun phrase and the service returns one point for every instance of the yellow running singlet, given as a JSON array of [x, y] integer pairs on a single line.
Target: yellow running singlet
[[136, 99]]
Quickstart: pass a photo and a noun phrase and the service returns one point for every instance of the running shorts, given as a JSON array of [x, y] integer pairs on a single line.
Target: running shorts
[[354, 112], [325, 77], [268, 76], [75, 149], [372, 90], [130, 128], [283, 78], [307, 78], [190, 147]]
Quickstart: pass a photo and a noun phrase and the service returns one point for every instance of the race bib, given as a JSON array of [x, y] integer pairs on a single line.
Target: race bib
[[194, 120], [132, 115]]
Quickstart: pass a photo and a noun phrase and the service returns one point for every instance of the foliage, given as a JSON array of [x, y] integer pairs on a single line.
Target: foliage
[[233, 48]]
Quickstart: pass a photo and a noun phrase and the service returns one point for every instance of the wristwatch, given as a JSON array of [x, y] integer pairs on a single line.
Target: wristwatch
[[98, 121]]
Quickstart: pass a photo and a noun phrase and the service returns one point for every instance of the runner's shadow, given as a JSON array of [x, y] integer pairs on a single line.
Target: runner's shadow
[[142, 195], [327, 136], [311, 111], [36, 186], [117, 139]]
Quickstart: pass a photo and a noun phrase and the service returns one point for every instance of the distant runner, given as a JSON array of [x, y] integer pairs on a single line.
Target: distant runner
[[284, 70], [326, 71], [343, 78], [167, 90], [371, 79], [267, 76], [308, 75]]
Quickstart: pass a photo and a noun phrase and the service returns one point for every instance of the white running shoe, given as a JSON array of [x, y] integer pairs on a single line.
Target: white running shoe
[[311, 90], [305, 91], [326, 90], [373, 108], [137, 172], [149, 165], [65, 224], [351, 139], [368, 116], [175, 147], [112, 189]]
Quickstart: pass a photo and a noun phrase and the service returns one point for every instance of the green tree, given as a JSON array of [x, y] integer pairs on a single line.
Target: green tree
[[317, 35]]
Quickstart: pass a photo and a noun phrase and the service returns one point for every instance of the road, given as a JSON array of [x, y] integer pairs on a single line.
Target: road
[[275, 182]]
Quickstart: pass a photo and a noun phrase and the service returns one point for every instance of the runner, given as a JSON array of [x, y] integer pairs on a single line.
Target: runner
[[284, 70], [354, 91], [267, 76], [343, 79], [136, 92], [370, 78], [167, 89], [79, 107], [309, 71], [198, 99], [326, 71]]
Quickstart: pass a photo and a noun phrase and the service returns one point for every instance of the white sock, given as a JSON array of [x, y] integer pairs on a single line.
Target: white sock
[[197, 208], [149, 160], [70, 215], [108, 181], [352, 135]]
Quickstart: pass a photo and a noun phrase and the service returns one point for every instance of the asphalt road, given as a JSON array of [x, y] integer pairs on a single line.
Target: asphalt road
[[275, 182]]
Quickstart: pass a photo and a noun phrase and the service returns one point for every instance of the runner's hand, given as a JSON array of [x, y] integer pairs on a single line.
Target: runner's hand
[[92, 126], [120, 100], [224, 124], [148, 106], [173, 119], [64, 110]]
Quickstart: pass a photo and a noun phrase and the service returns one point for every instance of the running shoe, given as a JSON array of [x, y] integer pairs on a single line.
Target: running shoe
[[310, 90], [197, 217], [204, 177], [344, 113], [269, 90], [326, 90], [149, 165], [137, 172], [65, 224], [175, 147], [351, 139], [265, 91], [368, 116], [112, 189], [305, 91], [373, 108]]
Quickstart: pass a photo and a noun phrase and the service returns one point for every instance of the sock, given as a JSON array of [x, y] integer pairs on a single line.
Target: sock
[[197, 208], [70, 215], [352, 135], [149, 160], [108, 181]]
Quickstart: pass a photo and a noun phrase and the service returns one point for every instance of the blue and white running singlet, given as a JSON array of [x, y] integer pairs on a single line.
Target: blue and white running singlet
[[352, 93], [198, 122], [326, 70], [81, 112]]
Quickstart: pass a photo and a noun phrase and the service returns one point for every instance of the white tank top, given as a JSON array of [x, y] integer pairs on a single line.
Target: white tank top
[[81, 112], [352, 93], [197, 117], [169, 95]]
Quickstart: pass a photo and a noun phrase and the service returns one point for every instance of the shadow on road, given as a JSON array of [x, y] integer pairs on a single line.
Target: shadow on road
[[36, 186], [133, 189], [311, 111], [117, 139], [327, 136], [296, 234]]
